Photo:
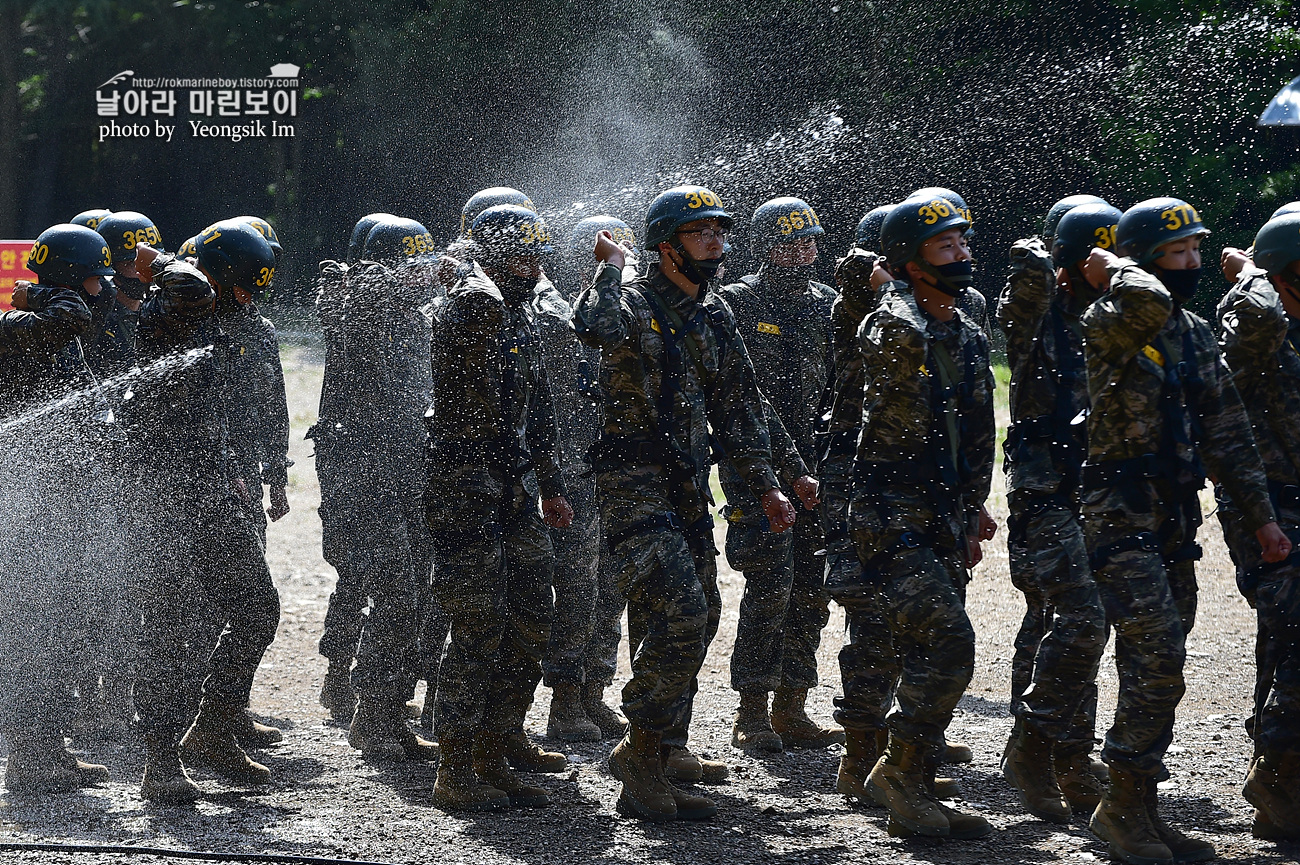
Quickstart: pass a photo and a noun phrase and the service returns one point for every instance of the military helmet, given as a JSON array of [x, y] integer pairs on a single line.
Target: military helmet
[[867, 235], [1156, 221], [491, 197], [1081, 228], [781, 220], [1062, 207], [582, 239], [236, 255], [399, 241], [673, 208], [125, 230], [947, 195], [913, 222], [268, 233], [1289, 207], [67, 255], [90, 218], [506, 230], [189, 249], [1278, 243], [360, 231]]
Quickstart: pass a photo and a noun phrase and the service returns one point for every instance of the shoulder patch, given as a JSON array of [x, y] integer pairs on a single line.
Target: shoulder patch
[[1154, 354], [764, 327]]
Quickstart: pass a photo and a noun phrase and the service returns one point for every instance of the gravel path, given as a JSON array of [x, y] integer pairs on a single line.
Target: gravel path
[[326, 801]]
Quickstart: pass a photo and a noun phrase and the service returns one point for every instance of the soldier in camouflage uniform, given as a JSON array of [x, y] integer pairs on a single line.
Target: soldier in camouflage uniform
[[922, 472], [1164, 412], [582, 655], [202, 526], [493, 446], [39, 628], [1047, 759], [385, 346], [673, 368], [784, 317], [1260, 337]]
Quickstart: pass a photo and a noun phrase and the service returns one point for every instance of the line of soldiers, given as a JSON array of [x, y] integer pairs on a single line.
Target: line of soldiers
[[481, 413]]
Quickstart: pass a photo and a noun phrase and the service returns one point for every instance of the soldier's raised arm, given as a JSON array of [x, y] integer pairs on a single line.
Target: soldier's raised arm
[[598, 315], [1130, 315]]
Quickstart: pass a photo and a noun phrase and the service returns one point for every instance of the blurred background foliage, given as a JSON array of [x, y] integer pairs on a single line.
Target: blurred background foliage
[[409, 106]]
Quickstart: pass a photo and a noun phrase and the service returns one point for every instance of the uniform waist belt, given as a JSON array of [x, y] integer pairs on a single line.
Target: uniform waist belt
[[629, 450], [1108, 473], [700, 530], [909, 472], [509, 458]]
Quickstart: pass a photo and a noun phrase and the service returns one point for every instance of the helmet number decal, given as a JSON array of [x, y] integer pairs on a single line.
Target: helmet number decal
[[1105, 235], [1180, 216], [264, 277], [133, 238], [108, 259], [39, 253], [533, 232], [797, 220], [624, 236], [697, 198], [934, 211], [419, 243], [211, 237]]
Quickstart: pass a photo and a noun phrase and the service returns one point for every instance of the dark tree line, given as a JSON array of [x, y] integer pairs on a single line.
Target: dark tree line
[[410, 106]]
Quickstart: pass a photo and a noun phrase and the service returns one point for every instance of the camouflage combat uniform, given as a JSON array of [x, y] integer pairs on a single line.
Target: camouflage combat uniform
[[494, 443], [1064, 630], [1164, 410], [196, 525], [1261, 345], [922, 472], [784, 318], [672, 369], [868, 663], [579, 648]]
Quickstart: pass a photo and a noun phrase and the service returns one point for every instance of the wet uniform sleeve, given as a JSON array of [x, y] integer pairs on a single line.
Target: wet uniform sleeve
[[274, 414], [1027, 297], [736, 408], [1129, 316], [978, 440], [59, 316], [785, 456], [543, 434], [1253, 325], [179, 304], [599, 318], [1227, 445]]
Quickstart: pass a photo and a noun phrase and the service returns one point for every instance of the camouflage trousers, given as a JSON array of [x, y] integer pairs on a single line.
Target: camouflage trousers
[[588, 605], [671, 586], [1058, 649], [339, 509], [923, 592], [210, 539], [868, 662], [1150, 601], [1274, 593], [784, 607], [493, 563]]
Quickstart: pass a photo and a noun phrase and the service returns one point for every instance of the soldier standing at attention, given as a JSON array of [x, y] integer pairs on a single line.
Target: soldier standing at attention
[[784, 316], [1047, 759], [1260, 337], [673, 370], [922, 472], [493, 452], [1164, 414]]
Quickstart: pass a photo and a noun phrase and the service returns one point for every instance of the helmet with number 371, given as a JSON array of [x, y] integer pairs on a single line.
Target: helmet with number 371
[[673, 208], [783, 219], [236, 256], [1150, 224]]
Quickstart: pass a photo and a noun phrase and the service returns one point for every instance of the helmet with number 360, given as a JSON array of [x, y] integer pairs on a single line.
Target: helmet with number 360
[[783, 219], [125, 230], [1082, 228], [582, 238], [913, 222], [399, 241], [673, 208], [236, 256], [67, 255], [1150, 224], [508, 230]]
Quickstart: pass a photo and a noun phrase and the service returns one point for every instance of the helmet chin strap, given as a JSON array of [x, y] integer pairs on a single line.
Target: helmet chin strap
[[691, 271], [943, 283]]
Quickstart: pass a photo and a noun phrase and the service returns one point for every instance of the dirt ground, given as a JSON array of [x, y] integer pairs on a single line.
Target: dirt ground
[[325, 801]]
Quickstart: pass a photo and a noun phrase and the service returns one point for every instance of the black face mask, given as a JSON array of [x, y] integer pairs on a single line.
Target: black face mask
[[699, 270], [516, 289], [952, 278], [1181, 283]]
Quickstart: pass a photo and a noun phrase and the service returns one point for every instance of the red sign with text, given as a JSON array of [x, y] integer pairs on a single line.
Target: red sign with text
[[13, 267]]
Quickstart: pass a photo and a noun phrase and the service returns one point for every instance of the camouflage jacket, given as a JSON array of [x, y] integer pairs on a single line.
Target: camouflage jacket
[[572, 369], [491, 394], [331, 300], [1261, 345], [1134, 336], [911, 418], [718, 393], [259, 413], [31, 342], [1049, 384]]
